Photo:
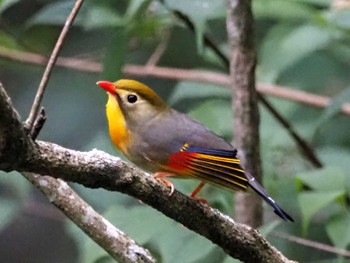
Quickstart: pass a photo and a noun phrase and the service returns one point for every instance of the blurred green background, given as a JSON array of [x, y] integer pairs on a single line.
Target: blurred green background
[[304, 44]]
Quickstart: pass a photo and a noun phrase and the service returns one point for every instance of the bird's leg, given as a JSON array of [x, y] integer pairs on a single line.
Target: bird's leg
[[160, 176], [196, 191]]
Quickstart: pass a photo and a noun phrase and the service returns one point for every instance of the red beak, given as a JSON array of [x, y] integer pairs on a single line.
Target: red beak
[[107, 86]]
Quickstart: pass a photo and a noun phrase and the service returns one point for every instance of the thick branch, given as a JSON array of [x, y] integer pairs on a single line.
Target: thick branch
[[120, 246], [245, 104], [16, 149], [13, 139], [112, 240], [97, 169]]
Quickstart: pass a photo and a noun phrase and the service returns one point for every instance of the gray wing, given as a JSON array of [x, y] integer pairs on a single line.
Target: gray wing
[[164, 135]]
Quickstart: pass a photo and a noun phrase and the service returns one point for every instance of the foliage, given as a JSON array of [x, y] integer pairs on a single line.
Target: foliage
[[302, 44]]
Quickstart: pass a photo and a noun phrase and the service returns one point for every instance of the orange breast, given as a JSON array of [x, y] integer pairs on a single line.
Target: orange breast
[[117, 125]]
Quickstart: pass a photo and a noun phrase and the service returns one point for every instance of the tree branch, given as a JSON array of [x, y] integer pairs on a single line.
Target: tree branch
[[113, 241], [97, 169], [303, 145], [205, 76], [16, 149], [86, 65], [248, 206], [120, 246], [39, 96], [313, 244]]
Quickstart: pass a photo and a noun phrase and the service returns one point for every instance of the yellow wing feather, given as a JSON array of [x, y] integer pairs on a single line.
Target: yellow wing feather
[[222, 171]]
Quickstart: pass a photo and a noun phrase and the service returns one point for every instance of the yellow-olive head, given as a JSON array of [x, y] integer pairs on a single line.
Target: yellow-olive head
[[137, 102], [131, 105]]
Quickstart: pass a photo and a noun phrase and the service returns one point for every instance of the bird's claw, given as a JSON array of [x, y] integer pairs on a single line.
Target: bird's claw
[[160, 176]]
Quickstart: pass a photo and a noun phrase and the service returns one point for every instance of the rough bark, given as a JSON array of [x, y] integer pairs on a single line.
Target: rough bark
[[96, 169], [17, 150], [248, 207], [116, 243]]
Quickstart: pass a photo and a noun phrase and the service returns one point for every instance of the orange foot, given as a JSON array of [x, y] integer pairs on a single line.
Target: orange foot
[[160, 176], [196, 191]]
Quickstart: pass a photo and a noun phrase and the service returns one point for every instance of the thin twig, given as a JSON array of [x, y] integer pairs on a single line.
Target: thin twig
[[313, 244], [207, 40], [86, 65], [117, 244], [305, 148], [112, 240], [301, 143], [306, 98], [38, 124], [50, 64], [223, 79], [97, 169]]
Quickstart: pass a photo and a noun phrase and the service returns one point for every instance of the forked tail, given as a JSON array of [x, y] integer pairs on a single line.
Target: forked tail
[[261, 191], [220, 167]]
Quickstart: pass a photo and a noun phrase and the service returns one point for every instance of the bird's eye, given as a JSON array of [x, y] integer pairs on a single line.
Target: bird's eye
[[132, 98]]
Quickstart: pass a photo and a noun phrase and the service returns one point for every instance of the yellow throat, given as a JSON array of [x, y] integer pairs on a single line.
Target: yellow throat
[[117, 125]]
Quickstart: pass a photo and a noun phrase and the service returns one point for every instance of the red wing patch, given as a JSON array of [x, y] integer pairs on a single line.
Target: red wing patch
[[216, 169]]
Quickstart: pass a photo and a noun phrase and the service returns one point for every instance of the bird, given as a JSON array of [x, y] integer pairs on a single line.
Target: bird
[[168, 143]]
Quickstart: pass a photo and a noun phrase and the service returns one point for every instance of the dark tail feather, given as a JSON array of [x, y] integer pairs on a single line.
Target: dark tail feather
[[261, 191]]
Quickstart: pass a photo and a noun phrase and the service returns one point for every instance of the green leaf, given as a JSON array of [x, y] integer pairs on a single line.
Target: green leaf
[[307, 39], [5, 4], [199, 12], [187, 90], [334, 107], [282, 10], [100, 17], [135, 9], [114, 57], [8, 41], [337, 155], [293, 45], [54, 14], [325, 179], [216, 114], [311, 203], [338, 230]]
